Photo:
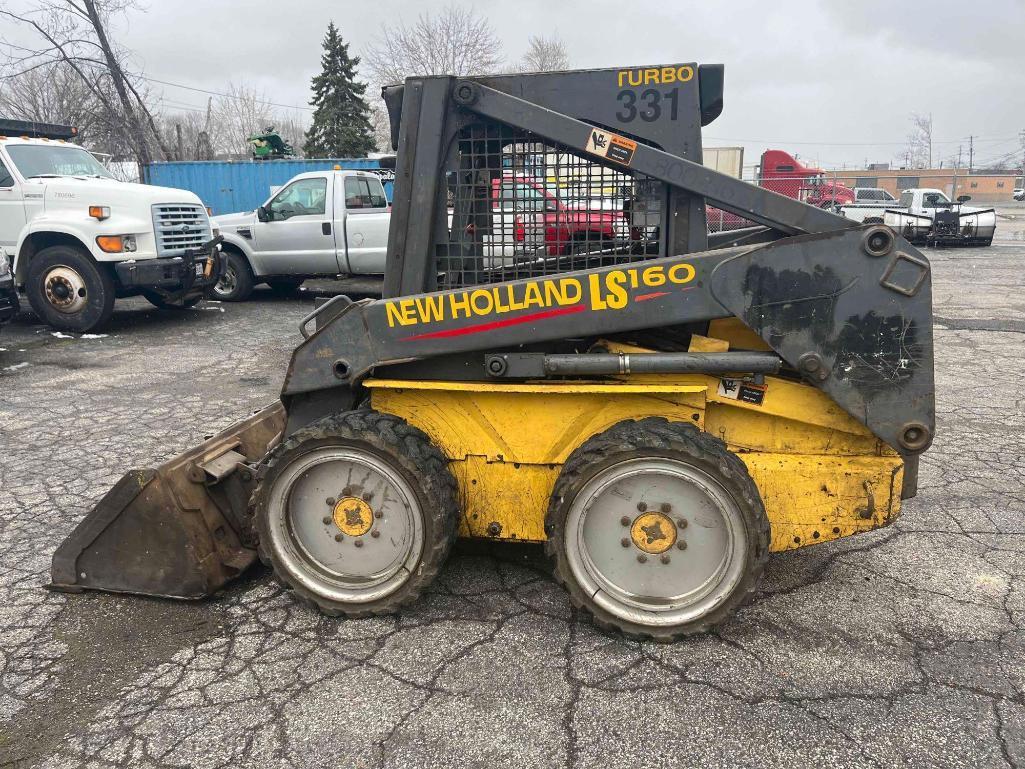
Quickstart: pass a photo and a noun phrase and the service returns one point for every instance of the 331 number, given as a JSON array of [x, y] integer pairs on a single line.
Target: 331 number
[[647, 104]]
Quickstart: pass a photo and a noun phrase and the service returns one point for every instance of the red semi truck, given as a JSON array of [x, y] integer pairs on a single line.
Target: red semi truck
[[780, 172]]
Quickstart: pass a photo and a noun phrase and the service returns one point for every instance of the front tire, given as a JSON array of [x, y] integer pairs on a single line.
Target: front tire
[[356, 513], [236, 283], [68, 290], [656, 529]]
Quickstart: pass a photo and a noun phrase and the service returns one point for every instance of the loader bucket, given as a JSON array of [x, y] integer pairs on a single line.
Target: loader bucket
[[177, 531]]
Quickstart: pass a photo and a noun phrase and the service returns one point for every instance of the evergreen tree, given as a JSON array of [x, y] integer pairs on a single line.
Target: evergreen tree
[[341, 122]]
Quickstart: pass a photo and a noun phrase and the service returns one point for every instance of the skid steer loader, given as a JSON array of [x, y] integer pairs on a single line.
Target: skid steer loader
[[562, 354]]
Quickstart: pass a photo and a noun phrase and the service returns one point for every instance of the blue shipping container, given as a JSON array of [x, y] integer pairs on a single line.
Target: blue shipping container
[[228, 187]]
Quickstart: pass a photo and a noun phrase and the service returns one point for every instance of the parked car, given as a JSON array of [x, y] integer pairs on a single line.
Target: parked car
[[869, 205], [1019, 193], [319, 224], [928, 216], [872, 195], [8, 294], [78, 238]]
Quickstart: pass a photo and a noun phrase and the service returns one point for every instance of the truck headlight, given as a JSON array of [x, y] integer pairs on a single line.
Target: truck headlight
[[116, 244]]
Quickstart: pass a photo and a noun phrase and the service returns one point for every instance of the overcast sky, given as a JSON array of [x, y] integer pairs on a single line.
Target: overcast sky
[[834, 81]]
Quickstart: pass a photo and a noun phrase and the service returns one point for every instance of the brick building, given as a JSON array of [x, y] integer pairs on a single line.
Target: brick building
[[984, 187]]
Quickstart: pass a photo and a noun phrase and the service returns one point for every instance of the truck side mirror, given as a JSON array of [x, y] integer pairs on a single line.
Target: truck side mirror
[[963, 198], [262, 214]]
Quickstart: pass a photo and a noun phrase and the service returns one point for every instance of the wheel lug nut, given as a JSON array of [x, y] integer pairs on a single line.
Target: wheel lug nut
[[378, 514], [327, 519], [339, 537], [330, 501], [625, 520], [642, 558], [681, 545], [666, 507], [681, 522], [359, 543], [665, 559], [375, 534], [346, 491], [624, 542], [367, 497], [641, 506]]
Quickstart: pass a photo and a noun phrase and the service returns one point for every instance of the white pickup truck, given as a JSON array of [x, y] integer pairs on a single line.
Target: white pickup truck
[[76, 238], [319, 224], [870, 203], [928, 217]]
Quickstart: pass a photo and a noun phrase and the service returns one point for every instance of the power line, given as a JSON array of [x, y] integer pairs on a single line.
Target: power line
[[901, 143], [219, 93]]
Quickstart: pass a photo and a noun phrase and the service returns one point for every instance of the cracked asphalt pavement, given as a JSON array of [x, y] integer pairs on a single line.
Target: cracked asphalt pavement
[[904, 647]]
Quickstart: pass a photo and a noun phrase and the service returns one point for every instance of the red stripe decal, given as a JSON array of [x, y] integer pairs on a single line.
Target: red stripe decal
[[498, 323], [646, 297]]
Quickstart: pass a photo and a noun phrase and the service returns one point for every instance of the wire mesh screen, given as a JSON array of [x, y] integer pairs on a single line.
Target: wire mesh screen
[[820, 190], [520, 207]]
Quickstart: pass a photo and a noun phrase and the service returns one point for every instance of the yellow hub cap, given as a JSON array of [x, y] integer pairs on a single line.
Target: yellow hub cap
[[653, 532], [353, 516]]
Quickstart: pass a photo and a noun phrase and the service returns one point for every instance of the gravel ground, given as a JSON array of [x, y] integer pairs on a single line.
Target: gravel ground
[[903, 647]]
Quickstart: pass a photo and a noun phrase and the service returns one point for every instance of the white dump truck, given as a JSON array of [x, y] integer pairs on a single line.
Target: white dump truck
[[76, 238]]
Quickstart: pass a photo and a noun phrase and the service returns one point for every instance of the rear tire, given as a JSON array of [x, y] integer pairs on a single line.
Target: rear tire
[[618, 532], [236, 283], [329, 493], [68, 290]]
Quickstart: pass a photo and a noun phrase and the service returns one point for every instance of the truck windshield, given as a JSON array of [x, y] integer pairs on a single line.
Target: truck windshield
[[34, 160]]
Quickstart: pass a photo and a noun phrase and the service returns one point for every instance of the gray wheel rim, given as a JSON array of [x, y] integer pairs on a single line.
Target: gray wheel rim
[[695, 561], [335, 559], [227, 282], [65, 289]]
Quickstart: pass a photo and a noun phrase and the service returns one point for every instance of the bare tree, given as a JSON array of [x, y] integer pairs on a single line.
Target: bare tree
[[918, 152], [455, 41], [545, 54], [192, 134], [75, 33], [51, 94], [243, 110], [381, 124]]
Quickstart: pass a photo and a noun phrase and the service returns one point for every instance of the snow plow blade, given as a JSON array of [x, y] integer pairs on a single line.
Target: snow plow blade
[[177, 531]]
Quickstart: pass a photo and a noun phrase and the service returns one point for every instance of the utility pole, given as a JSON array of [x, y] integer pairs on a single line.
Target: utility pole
[[1022, 135], [971, 152]]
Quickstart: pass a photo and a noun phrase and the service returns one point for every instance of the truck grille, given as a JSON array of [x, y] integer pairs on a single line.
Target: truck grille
[[179, 227]]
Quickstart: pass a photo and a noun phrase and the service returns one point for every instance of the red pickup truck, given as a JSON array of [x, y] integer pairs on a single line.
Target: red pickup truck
[[529, 213]]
